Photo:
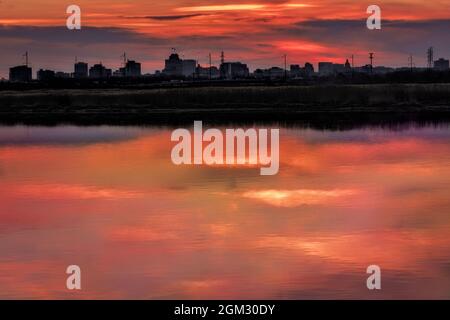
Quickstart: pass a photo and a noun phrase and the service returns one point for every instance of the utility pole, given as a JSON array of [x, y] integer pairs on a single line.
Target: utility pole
[[353, 66], [411, 63], [210, 68]]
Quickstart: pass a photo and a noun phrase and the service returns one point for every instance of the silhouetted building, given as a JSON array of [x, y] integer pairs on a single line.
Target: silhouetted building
[[326, 68], [132, 69], [309, 69], [364, 69], [374, 70], [80, 70], [338, 68], [188, 67], [234, 70], [274, 73], [98, 71], [298, 72], [119, 73], [295, 70], [20, 74], [441, 64], [382, 70], [205, 73], [347, 66], [329, 68], [45, 75], [62, 75], [259, 73], [173, 65]]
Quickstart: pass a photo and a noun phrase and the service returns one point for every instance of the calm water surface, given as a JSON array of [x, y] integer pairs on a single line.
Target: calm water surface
[[110, 200]]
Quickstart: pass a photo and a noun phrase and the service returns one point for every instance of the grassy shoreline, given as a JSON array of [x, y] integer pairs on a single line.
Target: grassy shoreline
[[284, 103]]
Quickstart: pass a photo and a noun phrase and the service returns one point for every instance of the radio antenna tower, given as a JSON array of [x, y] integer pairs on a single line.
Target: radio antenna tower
[[26, 58], [371, 54], [222, 58], [430, 56], [411, 62]]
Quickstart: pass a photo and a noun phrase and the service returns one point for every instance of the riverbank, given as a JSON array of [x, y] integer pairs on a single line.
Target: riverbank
[[324, 104]]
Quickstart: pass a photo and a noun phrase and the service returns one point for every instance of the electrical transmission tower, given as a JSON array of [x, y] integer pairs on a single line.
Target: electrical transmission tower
[[430, 56]]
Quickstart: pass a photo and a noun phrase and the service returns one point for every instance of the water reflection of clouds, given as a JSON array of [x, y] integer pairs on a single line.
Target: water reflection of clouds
[[144, 228], [67, 135], [374, 134]]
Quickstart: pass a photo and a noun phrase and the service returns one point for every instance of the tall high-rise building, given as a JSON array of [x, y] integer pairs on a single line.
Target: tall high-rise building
[[132, 69], [80, 70]]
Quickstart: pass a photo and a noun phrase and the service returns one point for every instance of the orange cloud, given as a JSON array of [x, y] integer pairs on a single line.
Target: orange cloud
[[228, 7]]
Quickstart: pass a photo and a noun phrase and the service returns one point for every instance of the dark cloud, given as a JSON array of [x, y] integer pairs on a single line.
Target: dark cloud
[[396, 38], [66, 135], [395, 35], [85, 36], [56, 47], [167, 18]]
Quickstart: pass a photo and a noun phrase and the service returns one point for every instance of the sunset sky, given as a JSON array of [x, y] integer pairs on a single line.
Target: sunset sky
[[258, 32]]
